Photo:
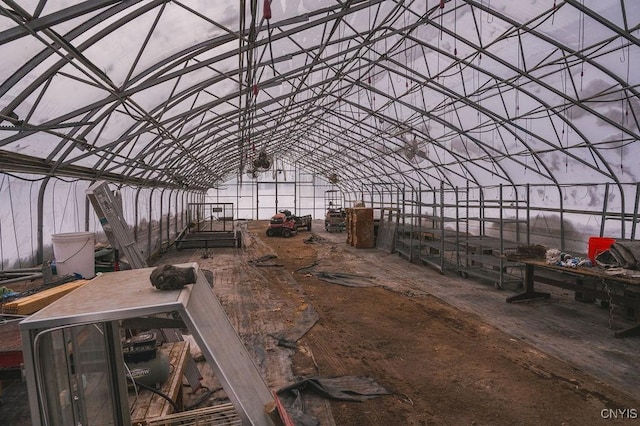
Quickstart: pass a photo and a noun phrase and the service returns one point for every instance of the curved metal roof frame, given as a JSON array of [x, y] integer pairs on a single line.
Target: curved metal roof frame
[[353, 87]]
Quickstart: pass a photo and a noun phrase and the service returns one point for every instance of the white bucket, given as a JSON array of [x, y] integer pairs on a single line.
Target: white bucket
[[75, 253]]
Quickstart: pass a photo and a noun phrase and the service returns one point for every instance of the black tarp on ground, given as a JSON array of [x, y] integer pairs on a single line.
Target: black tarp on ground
[[340, 278], [345, 388]]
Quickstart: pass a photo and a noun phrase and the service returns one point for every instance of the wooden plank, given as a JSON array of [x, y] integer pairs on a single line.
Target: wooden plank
[[224, 414], [594, 272], [35, 302], [150, 405]]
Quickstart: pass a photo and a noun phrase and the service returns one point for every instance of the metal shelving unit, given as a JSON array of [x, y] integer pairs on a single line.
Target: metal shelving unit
[[439, 233], [483, 256]]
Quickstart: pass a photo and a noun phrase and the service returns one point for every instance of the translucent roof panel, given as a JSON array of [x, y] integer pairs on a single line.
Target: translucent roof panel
[[190, 93]]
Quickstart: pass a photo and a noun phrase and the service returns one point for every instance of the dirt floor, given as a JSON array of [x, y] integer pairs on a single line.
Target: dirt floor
[[441, 365]]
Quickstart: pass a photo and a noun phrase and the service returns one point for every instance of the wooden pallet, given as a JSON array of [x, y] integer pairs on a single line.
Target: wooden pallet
[[223, 414], [360, 227]]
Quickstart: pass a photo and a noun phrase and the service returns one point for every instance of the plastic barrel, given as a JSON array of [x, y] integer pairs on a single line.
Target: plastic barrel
[[74, 253]]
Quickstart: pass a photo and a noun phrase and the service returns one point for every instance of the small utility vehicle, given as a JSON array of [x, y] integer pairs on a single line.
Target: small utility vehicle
[[285, 224]]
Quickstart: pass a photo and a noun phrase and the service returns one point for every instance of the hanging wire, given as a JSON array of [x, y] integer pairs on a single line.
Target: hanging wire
[[273, 64], [569, 131], [441, 17], [517, 94], [581, 25], [480, 22], [455, 28], [407, 53], [4, 177], [626, 113], [64, 210], [622, 138]]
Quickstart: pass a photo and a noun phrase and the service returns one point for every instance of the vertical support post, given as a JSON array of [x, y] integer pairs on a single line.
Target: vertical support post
[[168, 231], [442, 227], [86, 212], [160, 219], [149, 224], [467, 213], [605, 206], [517, 207], [257, 201], [482, 212], [528, 214], [40, 224], [183, 215], [635, 212], [136, 215], [419, 219], [501, 258], [411, 233], [457, 207], [371, 196], [466, 227], [175, 216], [237, 199], [562, 239]]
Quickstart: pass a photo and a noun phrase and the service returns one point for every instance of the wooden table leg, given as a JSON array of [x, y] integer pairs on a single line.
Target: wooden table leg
[[529, 292]]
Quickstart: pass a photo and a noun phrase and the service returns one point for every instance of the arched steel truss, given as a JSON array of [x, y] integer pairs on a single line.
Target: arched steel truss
[[420, 93]]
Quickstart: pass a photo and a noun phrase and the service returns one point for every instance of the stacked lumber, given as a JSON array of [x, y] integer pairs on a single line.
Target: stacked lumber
[[35, 302], [360, 227]]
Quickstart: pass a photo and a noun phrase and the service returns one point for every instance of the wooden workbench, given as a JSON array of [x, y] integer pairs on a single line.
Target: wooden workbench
[[588, 283], [150, 405]]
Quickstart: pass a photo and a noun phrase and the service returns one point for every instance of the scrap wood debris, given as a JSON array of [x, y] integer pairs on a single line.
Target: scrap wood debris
[[533, 251], [314, 239]]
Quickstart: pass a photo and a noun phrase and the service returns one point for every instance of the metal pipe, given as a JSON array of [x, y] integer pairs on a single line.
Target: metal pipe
[[40, 226], [22, 278]]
